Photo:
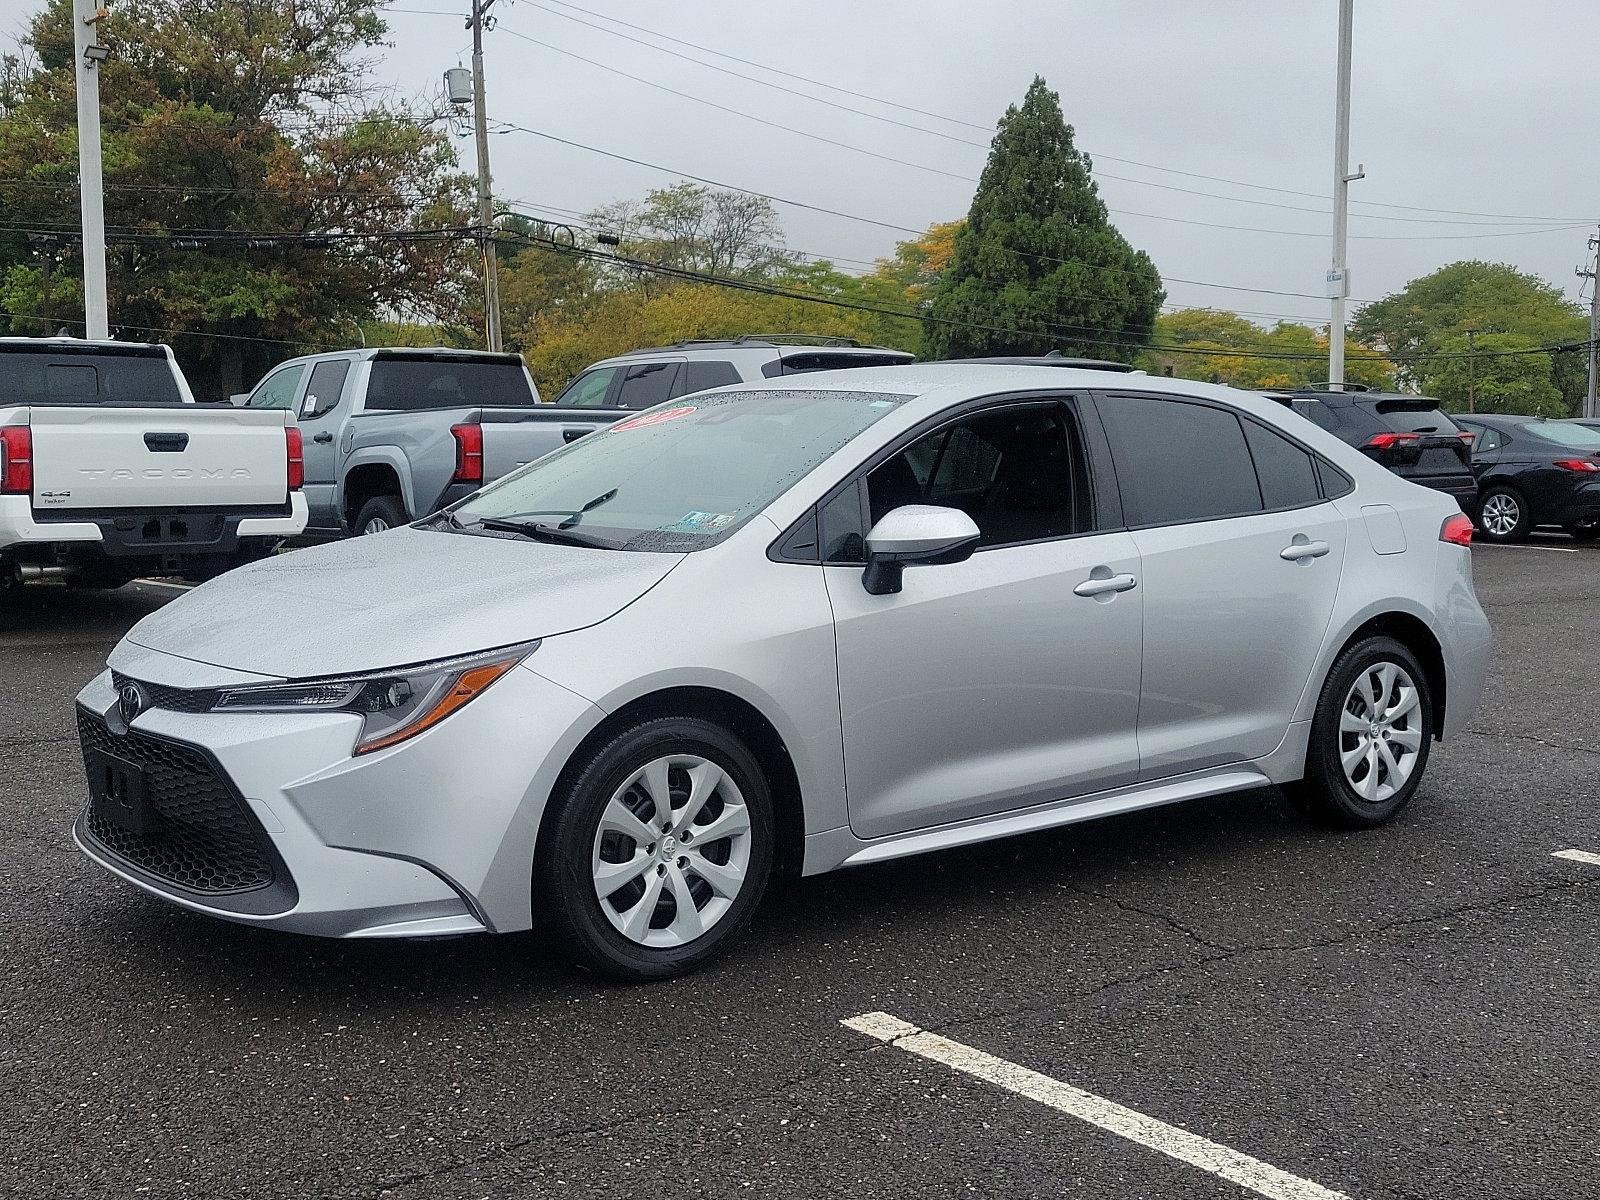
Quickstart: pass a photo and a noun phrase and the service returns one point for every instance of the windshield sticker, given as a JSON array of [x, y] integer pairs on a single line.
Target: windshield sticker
[[655, 418], [701, 522]]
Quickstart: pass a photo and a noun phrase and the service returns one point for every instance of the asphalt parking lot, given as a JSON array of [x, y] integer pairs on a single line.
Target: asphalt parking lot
[[1406, 1012]]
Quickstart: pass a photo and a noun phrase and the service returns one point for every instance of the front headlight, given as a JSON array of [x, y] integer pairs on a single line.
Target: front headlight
[[393, 705]]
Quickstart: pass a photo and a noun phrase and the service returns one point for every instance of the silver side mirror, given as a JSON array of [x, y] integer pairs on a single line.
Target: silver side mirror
[[915, 534]]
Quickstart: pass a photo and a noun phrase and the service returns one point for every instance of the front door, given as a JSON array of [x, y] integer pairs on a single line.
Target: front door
[[1241, 558], [1008, 680]]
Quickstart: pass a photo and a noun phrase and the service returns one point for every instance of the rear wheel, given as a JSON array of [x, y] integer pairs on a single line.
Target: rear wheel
[[378, 514], [661, 850], [1503, 515], [1370, 735]]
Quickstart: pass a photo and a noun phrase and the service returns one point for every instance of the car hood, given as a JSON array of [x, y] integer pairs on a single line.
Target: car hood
[[392, 599]]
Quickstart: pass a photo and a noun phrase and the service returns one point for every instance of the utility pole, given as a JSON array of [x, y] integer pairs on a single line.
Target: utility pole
[[1472, 371], [86, 18], [1591, 407], [1339, 273], [480, 118]]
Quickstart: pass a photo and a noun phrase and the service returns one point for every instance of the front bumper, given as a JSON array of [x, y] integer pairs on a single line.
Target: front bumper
[[432, 837]]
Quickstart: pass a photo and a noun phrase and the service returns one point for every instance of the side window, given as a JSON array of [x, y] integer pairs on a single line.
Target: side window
[[587, 390], [1018, 472], [843, 538], [1286, 473], [698, 376], [647, 384], [277, 390], [1489, 439], [1178, 461], [324, 389], [1318, 412]]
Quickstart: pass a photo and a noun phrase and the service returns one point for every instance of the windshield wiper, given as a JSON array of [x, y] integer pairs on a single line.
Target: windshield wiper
[[539, 532], [570, 516]]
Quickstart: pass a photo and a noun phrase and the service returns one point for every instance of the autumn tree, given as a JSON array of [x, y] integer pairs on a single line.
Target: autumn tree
[[1038, 266], [258, 201], [1222, 347]]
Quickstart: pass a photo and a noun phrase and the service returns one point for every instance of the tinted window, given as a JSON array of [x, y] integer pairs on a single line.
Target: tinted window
[[589, 389], [1335, 483], [411, 384], [1489, 439], [1286, 473], [647, 384], [1017, 472], [277, 390], [1317, 411], [56, 378], [324, 389], [1405, 416], [703, 375], [843, 538], [686, 476], [1178, 461], [825, 360], [1563, 433]]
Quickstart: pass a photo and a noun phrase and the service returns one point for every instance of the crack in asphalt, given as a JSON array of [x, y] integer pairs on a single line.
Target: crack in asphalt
[[1166, 919], [1528, 737]]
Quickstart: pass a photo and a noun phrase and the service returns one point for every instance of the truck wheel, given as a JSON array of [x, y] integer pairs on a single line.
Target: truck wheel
[[378, 514]]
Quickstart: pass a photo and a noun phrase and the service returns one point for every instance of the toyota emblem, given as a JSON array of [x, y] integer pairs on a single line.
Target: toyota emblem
[[130, 702]]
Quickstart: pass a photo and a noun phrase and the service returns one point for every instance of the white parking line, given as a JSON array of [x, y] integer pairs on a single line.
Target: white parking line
[[1476, 545], [1582, 856], [1259, 1177], [163, 583]]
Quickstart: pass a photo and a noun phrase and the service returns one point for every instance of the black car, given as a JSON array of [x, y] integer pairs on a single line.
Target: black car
[[1407, 434], [1533, 472]]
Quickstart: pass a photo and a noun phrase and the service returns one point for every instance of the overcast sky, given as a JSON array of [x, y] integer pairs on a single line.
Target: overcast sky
[[1473, 105]]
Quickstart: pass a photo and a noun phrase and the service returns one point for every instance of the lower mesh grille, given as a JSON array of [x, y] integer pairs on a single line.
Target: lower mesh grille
[[200, 835]]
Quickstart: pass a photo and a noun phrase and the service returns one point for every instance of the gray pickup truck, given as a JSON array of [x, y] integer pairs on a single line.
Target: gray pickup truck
[[391, 435]]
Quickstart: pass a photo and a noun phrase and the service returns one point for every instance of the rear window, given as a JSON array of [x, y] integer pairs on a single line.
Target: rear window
[[1579, 437], [45, 378], [832, 360], [405, 385], [1405, 416]]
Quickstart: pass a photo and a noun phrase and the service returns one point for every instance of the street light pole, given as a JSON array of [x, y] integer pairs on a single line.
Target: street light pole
[[1591, 406], [480, 116], [86, 17], [1338, 273]]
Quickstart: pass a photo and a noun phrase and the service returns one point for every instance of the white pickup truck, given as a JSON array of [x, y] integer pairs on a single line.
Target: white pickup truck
[[109, 469]]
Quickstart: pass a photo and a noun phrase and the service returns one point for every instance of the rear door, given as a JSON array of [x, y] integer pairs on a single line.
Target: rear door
[[1240, 560], [322, 413], [646, 384]]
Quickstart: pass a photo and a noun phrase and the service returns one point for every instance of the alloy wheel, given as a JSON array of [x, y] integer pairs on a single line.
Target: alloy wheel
[[672, 851], [1500, 514], [1380, 731], [374, 525]]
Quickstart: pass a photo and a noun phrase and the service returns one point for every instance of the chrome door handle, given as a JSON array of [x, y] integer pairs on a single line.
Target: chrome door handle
[[1105, 585], [1299, 550]]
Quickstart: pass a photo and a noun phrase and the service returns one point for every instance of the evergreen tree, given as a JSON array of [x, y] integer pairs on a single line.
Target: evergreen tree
[[1038, 261]]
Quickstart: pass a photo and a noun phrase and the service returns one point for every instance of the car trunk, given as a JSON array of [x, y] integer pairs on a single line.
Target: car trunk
[[1429, 447]]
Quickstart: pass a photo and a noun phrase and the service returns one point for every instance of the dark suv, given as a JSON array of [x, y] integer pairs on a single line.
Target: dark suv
[[1407, 434]]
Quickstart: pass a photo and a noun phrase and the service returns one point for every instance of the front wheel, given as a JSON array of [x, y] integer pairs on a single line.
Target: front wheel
[[1503, 515], [1369, 737], [661, 849]]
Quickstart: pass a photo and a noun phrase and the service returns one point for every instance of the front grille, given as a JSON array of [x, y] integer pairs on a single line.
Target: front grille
[[201, 836], [159, 695]]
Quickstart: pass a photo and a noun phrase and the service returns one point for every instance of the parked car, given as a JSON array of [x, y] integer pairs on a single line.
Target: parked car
[[1534, 472], [643, 378], [1410, 435], [811, 622], [110, 470]]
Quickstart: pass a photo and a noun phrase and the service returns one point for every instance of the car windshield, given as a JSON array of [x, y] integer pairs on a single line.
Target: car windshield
[[1579, 437], [680, 476]]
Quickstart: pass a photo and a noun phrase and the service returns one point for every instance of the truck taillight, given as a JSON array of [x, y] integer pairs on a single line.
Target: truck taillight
[[469, 453], [16, 460], [1457, 530], [295, 457]]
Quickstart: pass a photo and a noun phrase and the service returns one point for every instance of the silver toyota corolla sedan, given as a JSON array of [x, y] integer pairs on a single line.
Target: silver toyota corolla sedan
[[801, 624]]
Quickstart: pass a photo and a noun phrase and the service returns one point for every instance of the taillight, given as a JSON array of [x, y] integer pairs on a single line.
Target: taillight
[[469, 453], [294, 457], [1383, 441], [1585, 466], [16, 460], [1457, 530]]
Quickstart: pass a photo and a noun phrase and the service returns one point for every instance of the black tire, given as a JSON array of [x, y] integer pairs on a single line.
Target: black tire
[[386, 509], [1584, 533], [1325, 792], [564, 883], [1501, 494]]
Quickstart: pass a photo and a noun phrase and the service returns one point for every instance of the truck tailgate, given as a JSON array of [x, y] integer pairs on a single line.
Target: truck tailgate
[[515, 437], [182, 456]]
